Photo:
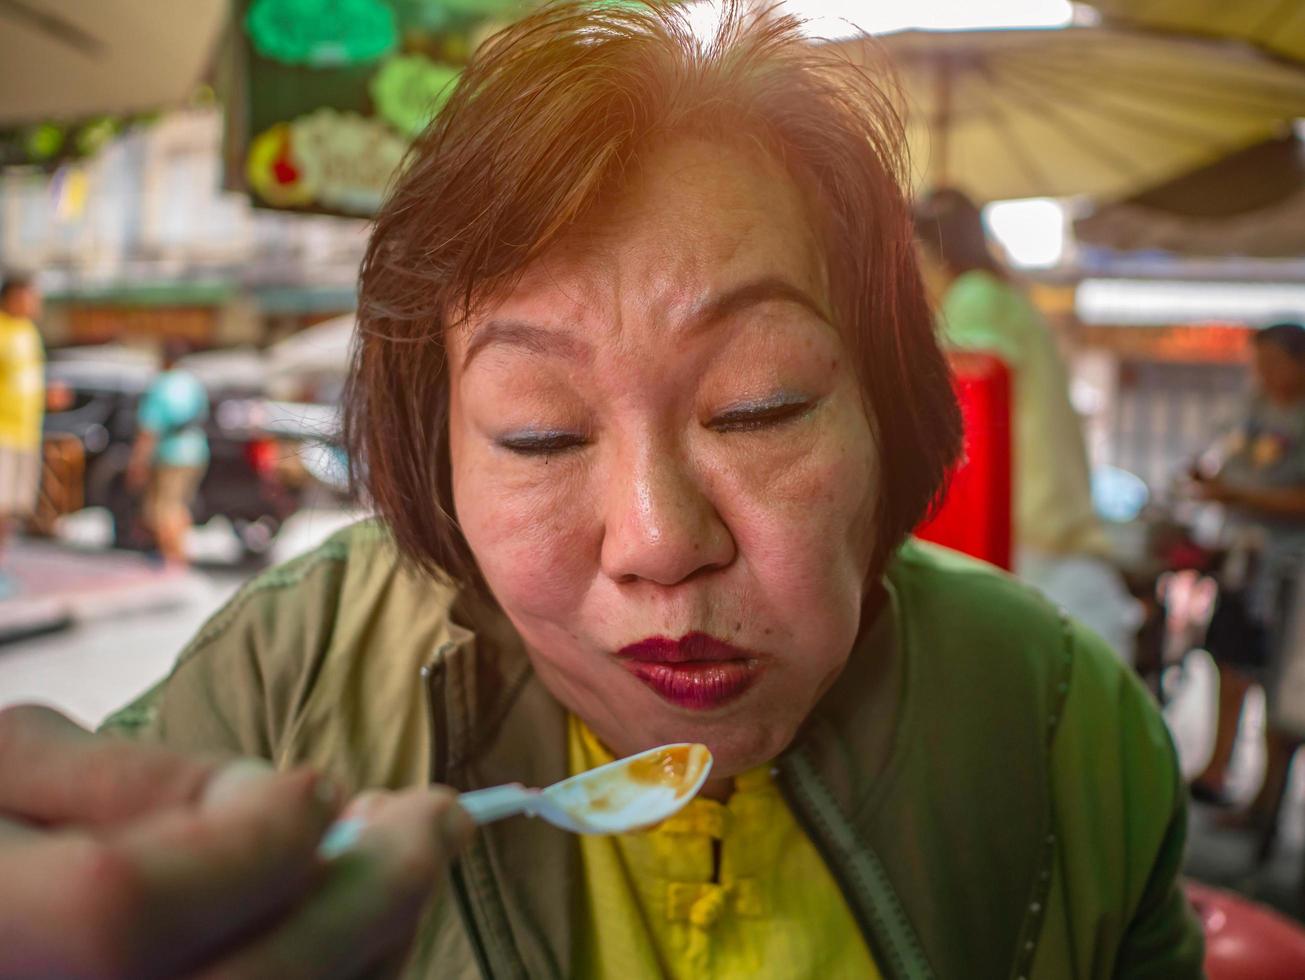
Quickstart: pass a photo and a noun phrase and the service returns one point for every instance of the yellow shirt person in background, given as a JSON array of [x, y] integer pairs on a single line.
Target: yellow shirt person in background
[[22, 404]]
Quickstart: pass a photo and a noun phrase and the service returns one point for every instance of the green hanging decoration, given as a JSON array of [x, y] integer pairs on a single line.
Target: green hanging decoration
[[426, 16], [322, 33], [485, 8], [44, 141], [96, 135], [409, 90]]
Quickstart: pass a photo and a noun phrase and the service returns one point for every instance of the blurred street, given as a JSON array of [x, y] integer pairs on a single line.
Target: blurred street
[[89, 630], [1215, 854], [123, 635], [1218, 857]]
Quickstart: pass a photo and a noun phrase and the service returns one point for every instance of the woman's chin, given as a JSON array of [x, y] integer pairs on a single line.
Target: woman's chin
[[743, 731]]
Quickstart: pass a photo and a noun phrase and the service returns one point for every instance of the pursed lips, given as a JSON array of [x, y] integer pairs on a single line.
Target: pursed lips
[[697, 671]]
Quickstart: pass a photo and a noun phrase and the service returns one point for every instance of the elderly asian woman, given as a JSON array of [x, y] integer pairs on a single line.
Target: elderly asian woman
[[648, 399]]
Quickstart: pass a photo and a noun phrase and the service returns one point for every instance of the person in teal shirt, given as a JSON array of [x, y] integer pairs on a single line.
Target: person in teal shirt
[[171, 453]]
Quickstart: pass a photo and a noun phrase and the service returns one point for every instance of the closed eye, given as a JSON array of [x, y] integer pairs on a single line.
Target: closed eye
[[759, 415], [541, 443]]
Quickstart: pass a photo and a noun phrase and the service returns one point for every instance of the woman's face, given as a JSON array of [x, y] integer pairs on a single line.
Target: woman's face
[[663, 465]]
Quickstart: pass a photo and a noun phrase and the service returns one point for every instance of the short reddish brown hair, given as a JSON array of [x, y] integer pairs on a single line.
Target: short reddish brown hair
[[547, 118]]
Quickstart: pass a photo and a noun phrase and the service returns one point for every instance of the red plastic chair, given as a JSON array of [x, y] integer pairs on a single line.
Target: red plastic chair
[[1246, 941], [975, 516]]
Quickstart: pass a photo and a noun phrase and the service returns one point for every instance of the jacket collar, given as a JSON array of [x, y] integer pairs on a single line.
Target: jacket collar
[[517, 884], [851, 733]]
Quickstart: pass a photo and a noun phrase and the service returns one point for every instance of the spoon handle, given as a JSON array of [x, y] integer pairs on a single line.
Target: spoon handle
[[484, 805], [497, 802]]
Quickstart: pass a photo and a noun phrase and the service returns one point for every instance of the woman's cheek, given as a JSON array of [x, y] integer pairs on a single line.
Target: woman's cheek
[[820, 475], [803, 517], [528, 531]]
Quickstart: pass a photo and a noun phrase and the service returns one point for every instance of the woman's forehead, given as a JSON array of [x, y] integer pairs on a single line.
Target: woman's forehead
[[694, 222]]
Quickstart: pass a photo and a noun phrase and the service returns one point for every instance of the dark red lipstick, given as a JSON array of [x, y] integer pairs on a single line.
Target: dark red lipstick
[[696, 671]]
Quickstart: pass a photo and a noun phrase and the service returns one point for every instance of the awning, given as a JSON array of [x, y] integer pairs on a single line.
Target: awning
[[70, 59]]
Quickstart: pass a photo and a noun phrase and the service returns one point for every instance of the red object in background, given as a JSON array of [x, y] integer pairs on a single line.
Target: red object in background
[[262, 456], [1246, 941], [975, 516]]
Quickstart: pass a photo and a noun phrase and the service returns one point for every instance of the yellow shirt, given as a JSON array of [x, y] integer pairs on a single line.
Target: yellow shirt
[[22, 383], [655, 908]]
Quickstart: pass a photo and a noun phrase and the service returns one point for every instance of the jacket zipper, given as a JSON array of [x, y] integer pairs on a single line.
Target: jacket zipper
[[430, 676], [878, 911]]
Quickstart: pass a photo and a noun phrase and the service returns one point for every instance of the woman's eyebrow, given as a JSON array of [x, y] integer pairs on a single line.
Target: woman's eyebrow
[[525, 335], [766, 289], [542, 340]]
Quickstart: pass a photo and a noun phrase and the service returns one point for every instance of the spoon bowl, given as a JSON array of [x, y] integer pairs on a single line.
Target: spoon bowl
[[628, 794]]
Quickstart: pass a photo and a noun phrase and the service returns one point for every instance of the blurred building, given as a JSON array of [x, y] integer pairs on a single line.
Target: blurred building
[[142, 241], [1161, 356], [1158, 341]]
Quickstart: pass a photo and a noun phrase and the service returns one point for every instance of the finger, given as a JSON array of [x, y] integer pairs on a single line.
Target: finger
[[234, 780], [343, 835], [54, 771], [169, 891], [249, 853], [366, 909]]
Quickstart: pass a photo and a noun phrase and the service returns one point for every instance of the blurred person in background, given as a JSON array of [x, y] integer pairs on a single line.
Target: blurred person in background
[[171, 452], [1261, 482], [22, 406], [1060, 546]]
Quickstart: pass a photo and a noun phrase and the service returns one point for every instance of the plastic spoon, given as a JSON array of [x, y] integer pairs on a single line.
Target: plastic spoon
[[637, 791]]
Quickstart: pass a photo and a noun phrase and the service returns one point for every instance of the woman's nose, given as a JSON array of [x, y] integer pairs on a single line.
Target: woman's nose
[[660, 526]]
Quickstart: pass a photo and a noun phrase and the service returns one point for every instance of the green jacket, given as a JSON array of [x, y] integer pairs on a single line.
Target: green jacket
[[996, 795]]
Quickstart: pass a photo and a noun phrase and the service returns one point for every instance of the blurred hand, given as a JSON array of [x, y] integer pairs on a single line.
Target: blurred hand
[[1215, 491], [138, 475], [121, 859]]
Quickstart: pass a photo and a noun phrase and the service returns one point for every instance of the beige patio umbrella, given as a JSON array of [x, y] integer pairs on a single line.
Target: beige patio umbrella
[[1249, 204], [1078, 110], [69, 59], [1277, 26]]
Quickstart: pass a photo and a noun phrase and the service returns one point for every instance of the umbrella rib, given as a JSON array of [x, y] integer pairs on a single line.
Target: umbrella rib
[[1140, 29], [1104, 107], [999, 117], [1265, 96], [59, 28], [1271, 91], [1075, 133], [1274, 19]]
